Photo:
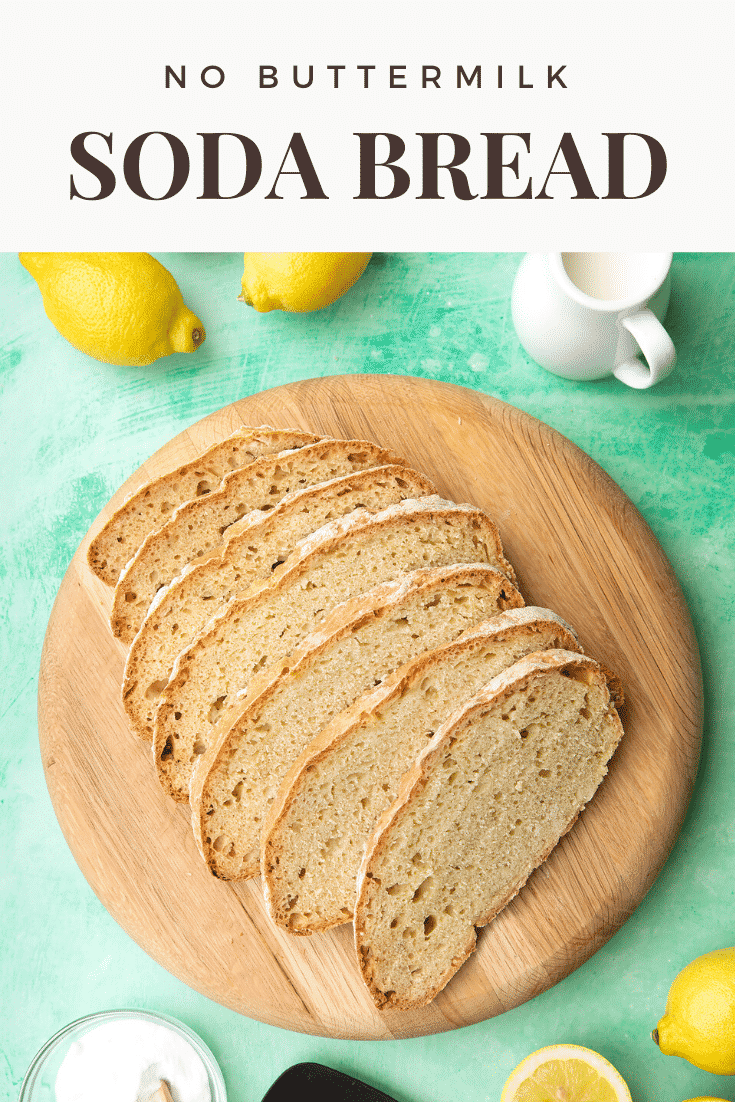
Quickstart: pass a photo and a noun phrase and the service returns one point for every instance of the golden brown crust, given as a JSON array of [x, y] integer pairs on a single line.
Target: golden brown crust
[[614, 685], [135, 588], [101, 553]]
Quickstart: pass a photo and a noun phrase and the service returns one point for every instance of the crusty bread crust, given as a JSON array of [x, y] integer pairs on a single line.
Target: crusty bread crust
[[349, 724], [192, 670], [148, 508], [255, 547], [579, 667], [259, 485], [344, 620]]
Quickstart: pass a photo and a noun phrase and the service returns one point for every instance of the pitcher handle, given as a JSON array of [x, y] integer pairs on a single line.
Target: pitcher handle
[[655, 344]]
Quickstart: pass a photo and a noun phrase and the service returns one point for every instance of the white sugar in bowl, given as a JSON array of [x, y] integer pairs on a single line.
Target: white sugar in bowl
[[122, 1055]]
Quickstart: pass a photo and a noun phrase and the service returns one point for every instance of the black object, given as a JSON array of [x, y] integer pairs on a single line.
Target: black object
[[304, 1082]]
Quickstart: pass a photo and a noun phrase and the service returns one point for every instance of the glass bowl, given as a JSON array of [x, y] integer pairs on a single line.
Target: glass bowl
[[40, 1079]]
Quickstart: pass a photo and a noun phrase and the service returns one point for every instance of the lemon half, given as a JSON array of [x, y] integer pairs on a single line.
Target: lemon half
[[565, 1073]]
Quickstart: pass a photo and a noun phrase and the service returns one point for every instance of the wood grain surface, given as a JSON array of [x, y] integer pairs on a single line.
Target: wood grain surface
[[579, 547]]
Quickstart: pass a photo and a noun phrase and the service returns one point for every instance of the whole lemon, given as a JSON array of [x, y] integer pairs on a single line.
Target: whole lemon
[[705, 1098], [699, 1023], [299, 282], [120, 308]]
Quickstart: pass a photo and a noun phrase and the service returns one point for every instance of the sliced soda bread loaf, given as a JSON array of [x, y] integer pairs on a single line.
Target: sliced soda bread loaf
[[198, 526], [328, 804], [485, 803], [361, 642], [344, 558], [254, 547], [147, 509]]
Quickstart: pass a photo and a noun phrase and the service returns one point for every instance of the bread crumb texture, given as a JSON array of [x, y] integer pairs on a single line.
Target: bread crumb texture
[[347, 557], [253, 757], [258, 543], [312, 851], [488, 802]]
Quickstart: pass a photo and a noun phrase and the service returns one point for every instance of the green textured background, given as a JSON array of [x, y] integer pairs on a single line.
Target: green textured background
[[72, 430]]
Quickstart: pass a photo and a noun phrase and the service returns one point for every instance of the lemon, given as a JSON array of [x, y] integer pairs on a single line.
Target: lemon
[[705, 1098], [699, 1023], [298, 282], [121, 308], [565, 1073]]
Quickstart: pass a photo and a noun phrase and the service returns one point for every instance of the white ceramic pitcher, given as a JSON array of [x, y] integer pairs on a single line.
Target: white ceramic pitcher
[[588, 315]]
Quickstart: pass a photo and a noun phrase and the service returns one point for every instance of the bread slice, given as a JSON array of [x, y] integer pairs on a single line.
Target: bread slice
[[360, 643], [198, 526], [255, 546], [346, 557], [487, 800], [147, 509], [350, 773]]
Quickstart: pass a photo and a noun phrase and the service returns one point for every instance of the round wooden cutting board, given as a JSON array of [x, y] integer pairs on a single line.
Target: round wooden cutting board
[[578, 546]]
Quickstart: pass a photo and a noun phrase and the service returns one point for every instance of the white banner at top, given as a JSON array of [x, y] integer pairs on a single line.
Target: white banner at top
[[385, 126]]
